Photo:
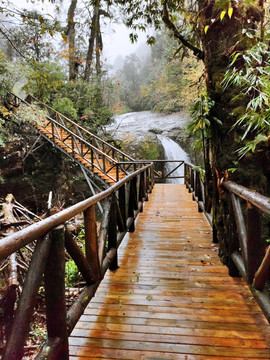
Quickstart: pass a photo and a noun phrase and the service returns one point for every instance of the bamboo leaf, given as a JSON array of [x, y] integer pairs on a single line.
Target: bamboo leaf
[[222, 14], [230, 12]]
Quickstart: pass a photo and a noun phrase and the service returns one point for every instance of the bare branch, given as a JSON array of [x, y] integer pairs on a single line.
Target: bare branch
[[171, 26]]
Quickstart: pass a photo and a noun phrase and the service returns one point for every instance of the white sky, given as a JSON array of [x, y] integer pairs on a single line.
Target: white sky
[[115, 36], [116, 42]]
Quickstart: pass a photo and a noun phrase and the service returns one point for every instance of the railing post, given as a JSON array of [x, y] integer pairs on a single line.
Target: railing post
[[78, 257], [82, 149], [117, 172], [104, 163], [54, 280], [72, 145], [135, 192], [152, 177], [53, 136], [141, 189], [91, 246], [24, 312], [233, 241], [192, 181], [104, 226], [92, 159], [254, 240], [198, 190], [185, 175], [146, 184], [122, 203], [196, 183], [112, 233], [130, 207], [241, 229]]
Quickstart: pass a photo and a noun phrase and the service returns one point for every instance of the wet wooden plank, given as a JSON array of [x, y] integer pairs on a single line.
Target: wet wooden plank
[[171, 298]]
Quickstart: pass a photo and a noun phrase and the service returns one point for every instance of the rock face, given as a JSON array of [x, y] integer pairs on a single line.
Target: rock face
[[137, 128]]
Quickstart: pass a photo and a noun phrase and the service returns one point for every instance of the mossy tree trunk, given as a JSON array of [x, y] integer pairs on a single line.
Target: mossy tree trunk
[[220, 41]]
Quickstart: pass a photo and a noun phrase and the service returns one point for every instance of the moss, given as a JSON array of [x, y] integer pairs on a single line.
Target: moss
[[149, 150]]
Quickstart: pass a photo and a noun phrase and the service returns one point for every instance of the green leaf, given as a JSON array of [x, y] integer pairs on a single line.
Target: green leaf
[[222, 14], [206, 29], [230, 12]]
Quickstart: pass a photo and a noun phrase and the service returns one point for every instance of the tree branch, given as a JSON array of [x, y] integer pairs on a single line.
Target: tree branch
[[11, 43], [171, 26]]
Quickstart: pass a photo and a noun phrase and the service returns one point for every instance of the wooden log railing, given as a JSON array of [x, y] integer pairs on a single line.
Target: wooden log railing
[[248, 249], [249, 254], [122, 203], [195, 183]]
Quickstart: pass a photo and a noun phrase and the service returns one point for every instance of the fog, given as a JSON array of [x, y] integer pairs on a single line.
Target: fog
[[115, 35]]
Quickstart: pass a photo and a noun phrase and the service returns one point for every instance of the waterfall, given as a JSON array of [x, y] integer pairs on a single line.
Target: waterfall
[[173, 151], [142, 126]]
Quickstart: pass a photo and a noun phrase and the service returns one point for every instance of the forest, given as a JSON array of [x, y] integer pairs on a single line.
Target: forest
[[209, 59]]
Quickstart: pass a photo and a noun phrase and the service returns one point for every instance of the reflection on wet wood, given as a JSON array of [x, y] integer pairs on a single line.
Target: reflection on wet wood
[[171, 298]]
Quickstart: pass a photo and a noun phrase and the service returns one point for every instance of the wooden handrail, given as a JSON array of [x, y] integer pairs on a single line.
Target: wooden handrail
[[14, 242], [159, 161], [195, 185], [52, 238], [246, 249], [260, 201]]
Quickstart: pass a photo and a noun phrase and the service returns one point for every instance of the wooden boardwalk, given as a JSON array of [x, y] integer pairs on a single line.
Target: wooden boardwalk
[[171, 298]]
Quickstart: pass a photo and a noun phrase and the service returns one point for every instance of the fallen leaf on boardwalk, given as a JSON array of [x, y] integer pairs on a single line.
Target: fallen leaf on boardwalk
[[136, 279], [149, 297], [130, 291]]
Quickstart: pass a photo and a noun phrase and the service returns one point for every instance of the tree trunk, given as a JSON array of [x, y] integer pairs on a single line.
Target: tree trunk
[[99, 47], [222, 39], [70, 32], [93, 34]]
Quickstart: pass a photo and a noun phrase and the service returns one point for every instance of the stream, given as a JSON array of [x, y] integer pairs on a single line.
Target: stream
[[139, 126]]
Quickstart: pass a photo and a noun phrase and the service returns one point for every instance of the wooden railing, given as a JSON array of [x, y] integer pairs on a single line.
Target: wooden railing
[[82, 133], [195, 182], [103, 156], [159, 175], [121, 202], [249, 253], [96, 152], [247, 247]]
